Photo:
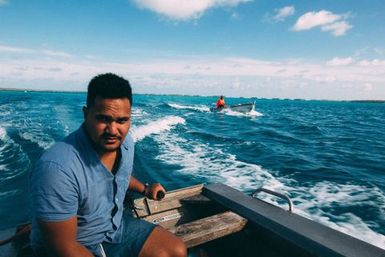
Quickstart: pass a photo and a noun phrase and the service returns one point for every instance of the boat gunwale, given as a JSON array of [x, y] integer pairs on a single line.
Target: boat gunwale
[[313, 237]]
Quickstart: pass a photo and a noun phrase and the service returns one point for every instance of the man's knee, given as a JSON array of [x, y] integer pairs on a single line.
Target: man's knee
[[179, 249], [162, 243], [176, 249]]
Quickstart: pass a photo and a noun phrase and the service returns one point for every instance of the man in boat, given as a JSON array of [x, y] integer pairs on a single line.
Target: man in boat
[[78, 186], [221, 103]]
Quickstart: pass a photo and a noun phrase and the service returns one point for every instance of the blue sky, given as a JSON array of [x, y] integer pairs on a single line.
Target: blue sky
[[252, 48]]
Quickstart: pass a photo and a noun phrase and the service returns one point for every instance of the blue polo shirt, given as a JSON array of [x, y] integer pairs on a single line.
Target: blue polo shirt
[[70, 180]]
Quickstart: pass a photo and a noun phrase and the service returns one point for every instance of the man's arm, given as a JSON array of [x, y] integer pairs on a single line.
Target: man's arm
[[61, 238], [150, 191]]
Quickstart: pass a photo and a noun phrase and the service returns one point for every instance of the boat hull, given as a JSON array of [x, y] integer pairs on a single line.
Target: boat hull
[[219, 221], [242, 108]]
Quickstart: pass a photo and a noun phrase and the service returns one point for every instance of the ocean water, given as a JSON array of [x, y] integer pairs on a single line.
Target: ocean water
[[327, 156]]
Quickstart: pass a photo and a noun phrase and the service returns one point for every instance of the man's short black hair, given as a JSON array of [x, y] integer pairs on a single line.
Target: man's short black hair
[[108, 85]]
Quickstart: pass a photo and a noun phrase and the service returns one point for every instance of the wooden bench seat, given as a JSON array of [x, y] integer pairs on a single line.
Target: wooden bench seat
[[206, 229], [189, 215]]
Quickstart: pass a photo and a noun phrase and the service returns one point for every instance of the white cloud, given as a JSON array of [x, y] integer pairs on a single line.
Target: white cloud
[[370, 53], [375, 62], [328, 21], [314, 19], [338, 28], [44, 52], [338, 78], [184, 9], [12, 49], [55, 53], [283, 13], [336, 61], [3, 2]]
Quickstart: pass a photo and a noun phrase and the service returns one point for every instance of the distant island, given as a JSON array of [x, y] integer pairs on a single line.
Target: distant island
[[368, 101], [37, 90], [64, 91]]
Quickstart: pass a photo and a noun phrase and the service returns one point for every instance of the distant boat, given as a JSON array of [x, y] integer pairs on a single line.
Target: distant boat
[[243, 108]]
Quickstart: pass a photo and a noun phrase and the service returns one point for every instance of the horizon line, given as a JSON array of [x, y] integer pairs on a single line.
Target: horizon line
[[184, 95]]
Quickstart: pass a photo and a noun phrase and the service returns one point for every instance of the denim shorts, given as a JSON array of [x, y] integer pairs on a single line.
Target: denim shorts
[[135, 234]]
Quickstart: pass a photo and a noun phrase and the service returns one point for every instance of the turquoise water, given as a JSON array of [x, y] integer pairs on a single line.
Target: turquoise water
[[327, 156]]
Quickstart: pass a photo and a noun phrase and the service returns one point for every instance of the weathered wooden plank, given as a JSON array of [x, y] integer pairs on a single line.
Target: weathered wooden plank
[[172, 200], [315, 238], [168, 219], [203, 230], [196, 199]]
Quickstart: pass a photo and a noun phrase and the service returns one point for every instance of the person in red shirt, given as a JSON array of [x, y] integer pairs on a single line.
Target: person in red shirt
[[221, 103]]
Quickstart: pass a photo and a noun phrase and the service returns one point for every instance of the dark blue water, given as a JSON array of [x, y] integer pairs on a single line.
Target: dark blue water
[[327, 156]]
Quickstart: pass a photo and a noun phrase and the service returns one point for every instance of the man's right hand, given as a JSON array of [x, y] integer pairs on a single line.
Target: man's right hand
[[155, 191]]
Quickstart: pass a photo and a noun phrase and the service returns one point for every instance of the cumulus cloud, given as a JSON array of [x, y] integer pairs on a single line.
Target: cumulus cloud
[[328, 21], [314, 19], [336, 61], [338, 28], [184, 9], [283, 13]]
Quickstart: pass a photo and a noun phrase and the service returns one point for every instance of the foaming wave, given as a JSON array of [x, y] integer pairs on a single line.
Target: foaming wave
[[328, 196], [156, 127], [201, 108], [199, 160], [13, 161], [4, 113], [3, 133], [356, 227], [5, 110], [213, 165], [42, 140], [9, 194], [313, 201], [255, 113], [65, 120], [3, 167], [32, 128], [138, 112], [252, 113]]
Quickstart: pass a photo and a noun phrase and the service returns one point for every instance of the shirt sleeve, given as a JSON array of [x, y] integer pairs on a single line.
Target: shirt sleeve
[[54, 194]]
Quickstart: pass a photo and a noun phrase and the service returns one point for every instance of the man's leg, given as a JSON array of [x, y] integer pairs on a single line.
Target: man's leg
[[161, 243]]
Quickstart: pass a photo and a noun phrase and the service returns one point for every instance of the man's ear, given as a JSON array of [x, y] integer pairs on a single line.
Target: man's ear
[[85, 112]]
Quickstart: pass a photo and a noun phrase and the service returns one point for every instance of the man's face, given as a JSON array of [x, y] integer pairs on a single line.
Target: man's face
[[107, 122]]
